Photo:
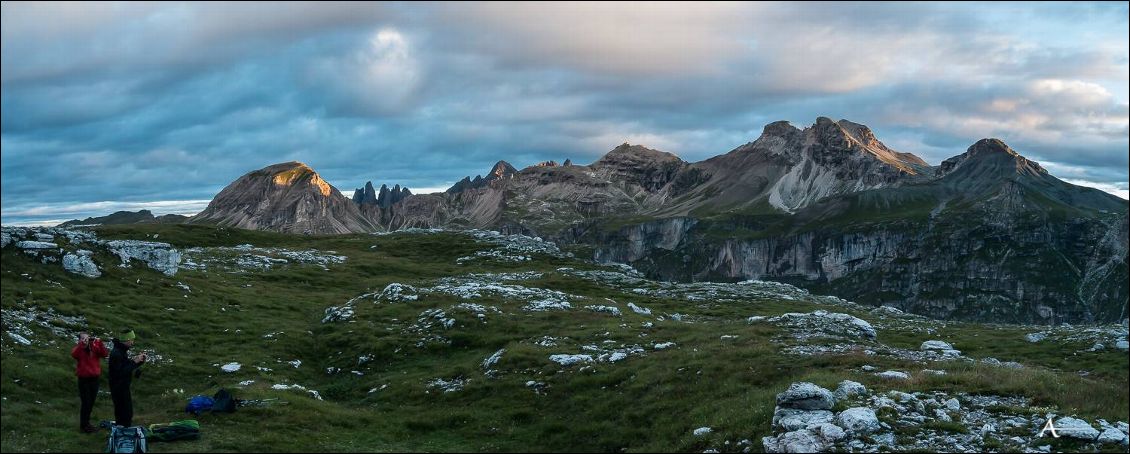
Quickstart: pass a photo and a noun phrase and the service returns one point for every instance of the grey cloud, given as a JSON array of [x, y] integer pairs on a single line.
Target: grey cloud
[[93, 38], [172, 102]]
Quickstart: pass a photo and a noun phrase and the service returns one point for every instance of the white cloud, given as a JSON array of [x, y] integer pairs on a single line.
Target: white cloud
[[1076, 92], [382, 76], [432, 190], [1120, 190], [35, 223], [391, 72]]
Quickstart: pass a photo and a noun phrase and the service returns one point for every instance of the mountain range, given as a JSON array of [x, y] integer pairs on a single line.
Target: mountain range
[[987, 234]]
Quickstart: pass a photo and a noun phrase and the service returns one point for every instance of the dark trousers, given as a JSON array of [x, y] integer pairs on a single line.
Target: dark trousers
[[87, 392], [123, 406]]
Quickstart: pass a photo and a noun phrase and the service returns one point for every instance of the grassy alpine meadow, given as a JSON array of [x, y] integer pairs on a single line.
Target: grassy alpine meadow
[[398, 375]]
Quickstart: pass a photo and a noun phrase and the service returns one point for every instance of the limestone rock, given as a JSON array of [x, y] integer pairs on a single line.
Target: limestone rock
[[159, 256], [830, 433], [848, 388], [790, 419], [81, 263], [36, 245], [1112, 435], [1075, 428], [795, 441], [827, 323], [858, 420], [806, 396], [894, 375]]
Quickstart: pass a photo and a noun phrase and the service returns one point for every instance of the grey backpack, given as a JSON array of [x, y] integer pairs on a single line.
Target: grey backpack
[[126, 439]]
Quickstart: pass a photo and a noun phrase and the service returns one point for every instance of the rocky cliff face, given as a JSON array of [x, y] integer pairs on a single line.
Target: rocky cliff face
[[1045, 274], [288, 197]]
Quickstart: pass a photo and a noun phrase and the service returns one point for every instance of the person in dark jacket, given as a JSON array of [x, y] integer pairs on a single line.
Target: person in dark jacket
[[122, 369], [88, 354]]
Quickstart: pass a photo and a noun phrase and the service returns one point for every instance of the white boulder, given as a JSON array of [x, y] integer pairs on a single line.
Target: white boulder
[[36, 245], [827, 323], [806, 396], [1111, 435], [81, 263], [1075, 428], [858, 420], [790, 419], [848, 388], [894, 375], [569, 360], [159, 256], [795, 441]]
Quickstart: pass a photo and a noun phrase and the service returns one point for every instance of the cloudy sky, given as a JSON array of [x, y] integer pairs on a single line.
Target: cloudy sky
[[109, 106]]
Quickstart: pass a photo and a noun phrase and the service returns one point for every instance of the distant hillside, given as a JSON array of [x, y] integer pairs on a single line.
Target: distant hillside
[[128, 217]]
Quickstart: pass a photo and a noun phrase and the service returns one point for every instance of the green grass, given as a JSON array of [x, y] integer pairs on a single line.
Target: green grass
[[649, 403]]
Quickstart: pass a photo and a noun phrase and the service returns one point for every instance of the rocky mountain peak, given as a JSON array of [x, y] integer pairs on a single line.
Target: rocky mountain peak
[[647, 168], [830, 134], [365, 195], [991, 145], [460, 186], [847, 137], [387, 197], [860, 133], [991, 158], [782, 129], [501, 169], [286, 197], [637, 154], [295, 173]]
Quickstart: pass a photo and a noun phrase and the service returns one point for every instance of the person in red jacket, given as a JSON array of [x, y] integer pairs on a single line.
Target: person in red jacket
[[88, 354]]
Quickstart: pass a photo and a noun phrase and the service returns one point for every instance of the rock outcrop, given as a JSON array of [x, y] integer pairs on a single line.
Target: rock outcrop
[[501, 171], [385, 198], [81, 263], [159, 256], [870, 422]]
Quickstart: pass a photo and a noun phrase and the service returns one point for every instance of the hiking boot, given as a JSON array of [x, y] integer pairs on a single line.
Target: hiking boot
[[89, 429]]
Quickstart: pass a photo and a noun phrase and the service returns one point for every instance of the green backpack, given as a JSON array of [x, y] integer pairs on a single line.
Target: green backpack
[[185, 429]]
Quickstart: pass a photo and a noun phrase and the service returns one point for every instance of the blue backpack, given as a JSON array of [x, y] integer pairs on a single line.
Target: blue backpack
[[198, 404]]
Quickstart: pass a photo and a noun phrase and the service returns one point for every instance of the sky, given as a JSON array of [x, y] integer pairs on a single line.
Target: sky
[[127, 106]]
